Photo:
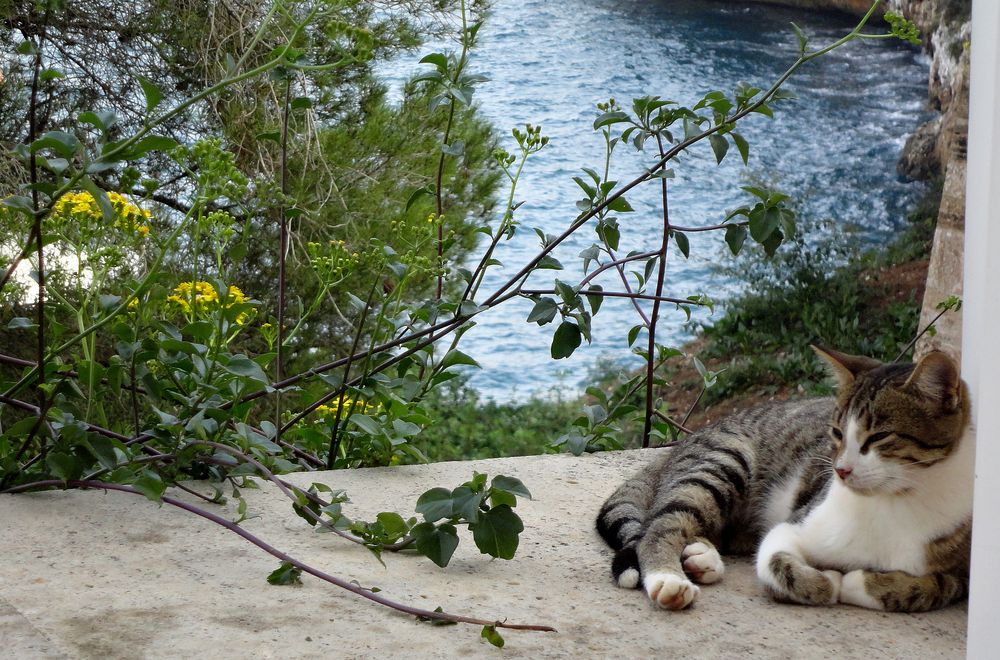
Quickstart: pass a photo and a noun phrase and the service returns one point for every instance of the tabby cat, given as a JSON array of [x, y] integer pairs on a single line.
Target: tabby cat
[[864, 499]]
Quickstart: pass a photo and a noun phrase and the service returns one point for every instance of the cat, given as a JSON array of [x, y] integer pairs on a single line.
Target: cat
[[864, 498]]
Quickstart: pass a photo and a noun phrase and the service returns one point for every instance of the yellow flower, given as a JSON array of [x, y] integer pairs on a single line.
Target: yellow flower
[[201, 297], [357, 405], [81, 206]]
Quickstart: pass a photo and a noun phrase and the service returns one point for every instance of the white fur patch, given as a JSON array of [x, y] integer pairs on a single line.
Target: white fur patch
[[852, 591], [702, 563], [629, 579], [781, 499], [837, 579], [888, 531], [782, 538], [670, 591]]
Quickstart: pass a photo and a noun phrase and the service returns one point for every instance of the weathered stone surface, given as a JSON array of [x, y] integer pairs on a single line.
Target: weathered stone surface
[[919, 160], [95, 575], [944, 275]]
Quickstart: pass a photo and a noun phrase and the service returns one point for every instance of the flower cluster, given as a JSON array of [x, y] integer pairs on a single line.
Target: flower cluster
[[332, 260], [202, 297], [82, 206], [350, 404]]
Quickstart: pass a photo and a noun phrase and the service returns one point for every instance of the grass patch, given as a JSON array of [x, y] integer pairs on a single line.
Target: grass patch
[[859, 301]]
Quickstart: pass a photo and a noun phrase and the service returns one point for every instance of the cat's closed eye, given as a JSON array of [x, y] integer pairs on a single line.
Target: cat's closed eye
[[873, 438]]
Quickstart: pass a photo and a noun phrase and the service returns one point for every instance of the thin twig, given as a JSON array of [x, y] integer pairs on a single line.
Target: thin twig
[[305, 568]]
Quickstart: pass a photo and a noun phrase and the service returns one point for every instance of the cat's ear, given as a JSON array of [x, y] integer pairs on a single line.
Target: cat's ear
[[844, 367], [936, 377]]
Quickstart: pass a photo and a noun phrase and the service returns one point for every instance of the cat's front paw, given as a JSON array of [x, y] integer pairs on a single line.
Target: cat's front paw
[[670, 591], [836, 579], [702, 563], [853, 592]]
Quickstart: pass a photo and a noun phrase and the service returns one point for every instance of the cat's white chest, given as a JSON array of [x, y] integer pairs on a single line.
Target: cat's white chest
[[847, 530]]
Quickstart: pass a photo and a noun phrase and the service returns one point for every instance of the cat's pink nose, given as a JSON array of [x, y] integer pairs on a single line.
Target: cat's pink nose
[[843, 473]]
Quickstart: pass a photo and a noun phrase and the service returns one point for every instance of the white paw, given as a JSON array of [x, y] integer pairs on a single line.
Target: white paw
[[670, 591], [702, 563], [629, 579], [836, 579], [853, 592]]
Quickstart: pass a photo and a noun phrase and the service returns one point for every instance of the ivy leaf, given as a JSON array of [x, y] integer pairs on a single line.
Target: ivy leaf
[[436, 543], [465, 503], [566, 340], [510, 485], [435, 504], [496, 532], [286, 574], [64, 466], [151, 485]]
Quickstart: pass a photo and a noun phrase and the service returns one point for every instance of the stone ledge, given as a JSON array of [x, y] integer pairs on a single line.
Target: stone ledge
[[96, 575]]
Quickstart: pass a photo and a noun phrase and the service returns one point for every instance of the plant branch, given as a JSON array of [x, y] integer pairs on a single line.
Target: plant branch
[[282, 556]]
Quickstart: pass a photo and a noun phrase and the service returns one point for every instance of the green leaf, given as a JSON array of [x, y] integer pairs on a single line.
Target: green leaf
[[150, 143], [800, 35], [457, 357], [566, 339], [437, 59], [763, 222], [620, 205], [151, 485], [100, 197], [466, 501], [63, 143], [366, 424], [435, 504], [720, 146], [549, 263], [682, 243], [742, 146], [595, 299], [415, 196], [102, 119], [491, 635], [633, 333], [152, 93], [496, 532], [246, 368], [301, 102], [64, 466], [511, 485], [393, 524], [735, 237], [543, 312], [436, 543], [609, 118], [286, 574]]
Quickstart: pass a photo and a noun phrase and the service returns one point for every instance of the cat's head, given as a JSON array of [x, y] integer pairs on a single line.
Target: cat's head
[[892, 421]]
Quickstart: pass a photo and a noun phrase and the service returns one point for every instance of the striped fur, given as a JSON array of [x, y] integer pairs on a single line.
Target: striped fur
[[896, 436]]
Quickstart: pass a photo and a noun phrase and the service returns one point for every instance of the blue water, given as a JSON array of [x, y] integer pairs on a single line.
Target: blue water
[[834, 148]]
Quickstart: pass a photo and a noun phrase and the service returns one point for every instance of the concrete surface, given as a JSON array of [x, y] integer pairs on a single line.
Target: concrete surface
[[110, 575]]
